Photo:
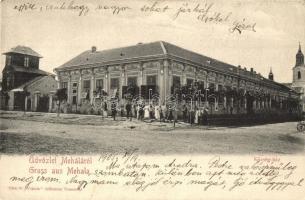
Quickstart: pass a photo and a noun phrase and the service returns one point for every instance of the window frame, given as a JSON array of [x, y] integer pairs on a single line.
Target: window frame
[[151, 77], [8, 60], [26, 61], [134, 82], [173, 82], [111, 83], [189, 79], [64, 84], [86, 88], [101, 82]]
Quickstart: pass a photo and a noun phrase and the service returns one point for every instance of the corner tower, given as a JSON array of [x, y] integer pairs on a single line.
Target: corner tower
[[299, 70]]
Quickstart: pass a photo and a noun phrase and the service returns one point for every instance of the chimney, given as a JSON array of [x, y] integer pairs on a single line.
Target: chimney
[[270, 76], [251, 70], [93, 49]]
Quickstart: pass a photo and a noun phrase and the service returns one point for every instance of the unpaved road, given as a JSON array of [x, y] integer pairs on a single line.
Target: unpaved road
[[25, 137]]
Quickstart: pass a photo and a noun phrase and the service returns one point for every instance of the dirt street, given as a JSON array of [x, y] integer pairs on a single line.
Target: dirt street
[[23, 135]]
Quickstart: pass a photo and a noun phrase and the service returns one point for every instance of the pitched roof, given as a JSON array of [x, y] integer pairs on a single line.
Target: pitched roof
[[135, 51], [158, 48], [29, 70], [195, 57], [30, 82], [23, 50]]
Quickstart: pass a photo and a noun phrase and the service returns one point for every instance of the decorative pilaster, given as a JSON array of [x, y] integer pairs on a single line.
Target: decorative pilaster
[[162, 87], [79, 92], [69, 89], [58, 81], [36, 99], [106, 80], [122, 80], [26, 103], [140, 81], [167, 78], [11, 100], [51, 101], [184, 75], [92, 80]]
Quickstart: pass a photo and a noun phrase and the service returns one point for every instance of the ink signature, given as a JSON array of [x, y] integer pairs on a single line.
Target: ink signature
[[241, 26]]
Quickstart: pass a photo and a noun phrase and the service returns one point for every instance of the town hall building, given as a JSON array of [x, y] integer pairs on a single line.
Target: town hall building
[[166, 70]]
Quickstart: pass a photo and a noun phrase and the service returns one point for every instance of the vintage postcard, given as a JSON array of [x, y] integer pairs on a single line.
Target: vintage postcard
[[152, 99]]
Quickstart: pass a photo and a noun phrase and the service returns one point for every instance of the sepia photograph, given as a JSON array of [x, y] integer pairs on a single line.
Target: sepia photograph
[[142, 99]]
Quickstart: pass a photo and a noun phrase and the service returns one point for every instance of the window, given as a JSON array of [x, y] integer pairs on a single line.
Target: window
[[74, 85], [151, 80], [189, 82], [74, 91], [299, 75], [99, 84], [64, 85], [176, 81], [212, 87], [114, 83], [26, 61], [132, 81], [74, 100], [220, 88], [86, 86], [8, 60]]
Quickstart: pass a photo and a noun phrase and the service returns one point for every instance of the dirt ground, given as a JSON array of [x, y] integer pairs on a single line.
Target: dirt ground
[[83, 134]]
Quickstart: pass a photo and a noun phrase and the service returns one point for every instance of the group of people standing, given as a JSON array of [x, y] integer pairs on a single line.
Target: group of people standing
[[142, 111], [162, 113]]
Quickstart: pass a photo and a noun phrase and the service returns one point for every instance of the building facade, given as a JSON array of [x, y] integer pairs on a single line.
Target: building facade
[[170, 72]]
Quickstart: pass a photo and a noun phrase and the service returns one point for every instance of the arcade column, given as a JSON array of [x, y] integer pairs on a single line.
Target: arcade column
[[36, 100]]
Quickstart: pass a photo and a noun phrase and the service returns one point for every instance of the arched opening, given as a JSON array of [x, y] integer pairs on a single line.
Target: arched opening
[[299, 75]]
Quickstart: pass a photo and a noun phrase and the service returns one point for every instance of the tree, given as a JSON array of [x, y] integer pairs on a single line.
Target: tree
[[60, 95]]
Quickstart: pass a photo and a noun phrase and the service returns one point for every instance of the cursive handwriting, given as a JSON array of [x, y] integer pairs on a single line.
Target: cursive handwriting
[[206, 12], [128, 169], [241, 26]]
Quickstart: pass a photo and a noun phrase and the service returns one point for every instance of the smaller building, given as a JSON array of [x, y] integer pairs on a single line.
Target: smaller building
[[24, 85], [34, 95]]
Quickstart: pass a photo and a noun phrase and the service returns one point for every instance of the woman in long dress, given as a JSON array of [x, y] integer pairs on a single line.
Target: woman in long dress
[[157, 112], [196, 115], [105, 109], [146, 112]]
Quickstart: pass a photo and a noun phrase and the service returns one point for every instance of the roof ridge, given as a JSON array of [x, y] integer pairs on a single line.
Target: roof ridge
[[134, 45], [163, 47], [199, 54], [25, 50], [30, 82]]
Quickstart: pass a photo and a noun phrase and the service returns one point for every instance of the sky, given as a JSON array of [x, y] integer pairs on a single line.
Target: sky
[[61, 34]]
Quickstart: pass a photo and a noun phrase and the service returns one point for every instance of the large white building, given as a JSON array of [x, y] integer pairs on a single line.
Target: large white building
[[162, 67]]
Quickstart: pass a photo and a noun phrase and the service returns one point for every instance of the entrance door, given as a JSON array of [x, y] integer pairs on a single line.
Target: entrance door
[[43, 104], [19, 101]]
